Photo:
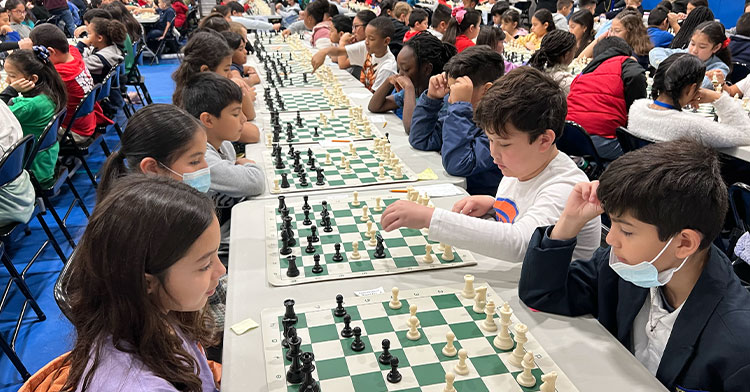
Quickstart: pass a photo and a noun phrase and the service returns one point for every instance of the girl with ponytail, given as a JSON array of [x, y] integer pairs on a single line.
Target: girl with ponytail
[[555, 53], [463, 28], [541, 23], [101, 48]]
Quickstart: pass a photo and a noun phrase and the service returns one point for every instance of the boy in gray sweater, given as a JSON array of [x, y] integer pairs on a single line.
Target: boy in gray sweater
[[217, 102]]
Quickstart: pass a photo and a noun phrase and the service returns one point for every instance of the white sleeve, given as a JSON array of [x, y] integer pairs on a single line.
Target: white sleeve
[[733, 128], [744, 86], [385, 70], [357, 53], [323, 43]]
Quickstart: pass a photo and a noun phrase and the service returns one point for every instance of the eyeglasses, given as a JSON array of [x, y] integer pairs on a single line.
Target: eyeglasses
[[19, 12]]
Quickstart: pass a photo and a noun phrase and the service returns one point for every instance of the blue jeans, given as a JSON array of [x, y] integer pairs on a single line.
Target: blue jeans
[[608, 149], [67, 17]]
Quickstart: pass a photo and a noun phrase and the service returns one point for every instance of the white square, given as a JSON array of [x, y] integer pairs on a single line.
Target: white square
[[362, 364], [436, 334], [315, 319], [484, 331], [478, 347], [455, 315], [337, 384], [416, 241], [448, 366], [420, 355], [338, 268], [400, 251], [377, 341], [372, 311], [408, 380], [502, 382], [504, 357], [424, 304], [327, 350], [398, 322]]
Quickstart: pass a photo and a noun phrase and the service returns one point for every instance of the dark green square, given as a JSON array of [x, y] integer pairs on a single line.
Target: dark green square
[[323, 333], [404, 262], [432, 373], [348, 229], [342, 213], [394, 242], [447, 301], [301, 322], [467, 330], [346, 344], [348, 246], [378, 325], [478, 316], [456, 258], [309, 273], [404, 309], [537, 373], [371, 252], [349, 176], [329, 238], [368, 180], [362, 170], [488, 365], [361, 266], [406, 342], [336, 183], [369, 382], [417, 250], [403, 361], [411, 233], [472, 384], [372, 164], [331, 368], [352, 311], [438, 349], [430, 319]]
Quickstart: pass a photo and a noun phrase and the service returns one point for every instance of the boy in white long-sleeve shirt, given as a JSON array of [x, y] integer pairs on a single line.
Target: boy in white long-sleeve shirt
[[522, 114], [217, 102]]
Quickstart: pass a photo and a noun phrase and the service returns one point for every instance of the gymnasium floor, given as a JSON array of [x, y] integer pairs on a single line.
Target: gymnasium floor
[[40, 342]]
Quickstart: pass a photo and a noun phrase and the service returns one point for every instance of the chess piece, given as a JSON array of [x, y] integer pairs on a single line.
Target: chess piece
[[328, 159], [413, 313], [461, 368], [276, 187], [282, 203], [293, 339], [489, 322], [385, 357], [355, 201], [517, 356], [448, 253], [427, 258], [449, 379], [365, 216], [371, 234], [355, 251], [413, 333], [320, 178], [378, 207], [379, 248], [289, 314], [303, 179], [307, 220], [358, 344], [394, 376], [480, 300], [503, 341], [294, 374], [449, 350], [548, 382], [398, 174], [317, 268], [395, 303], [381, 173], [286, 323], [327, 228], [309, 384], [284, 181], [337, 257], [468, 291], [525, 378], [314, 234], [340, 310], [347, 331], [285, 247], [310, 247], [292, 271]]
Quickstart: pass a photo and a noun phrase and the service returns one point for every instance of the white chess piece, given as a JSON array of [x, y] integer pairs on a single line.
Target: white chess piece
[[369, 227], [468, 287], [347, 167], [420, 199], [381, 173], [395, 303], [365, 216], [413, 313], [503, 341], [413, 333], [461, 368], [448, 253], [354, 152], [398, 174], [355, 202], [373, 240], [449, 379], [480, 300], [427, 258], [343, 161], [489, 322], [355, 251], [517, 356], [525, 378], [276, 187], [548, 382], [449, 350], [378, 207]]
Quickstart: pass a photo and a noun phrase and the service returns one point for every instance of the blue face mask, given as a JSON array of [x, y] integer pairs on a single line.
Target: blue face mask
[[199, 179], [643, 274]]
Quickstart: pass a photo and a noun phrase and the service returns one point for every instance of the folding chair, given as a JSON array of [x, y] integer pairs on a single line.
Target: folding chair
[[739, 202], [169, 38], [61, 287], [739, 72], [69, 147], [523, 7], [112, 80], [575, 141], [629, 142], [134, 77]]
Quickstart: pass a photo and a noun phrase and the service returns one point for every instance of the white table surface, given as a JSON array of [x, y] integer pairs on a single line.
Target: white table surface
[[741, 152], [592, 359]]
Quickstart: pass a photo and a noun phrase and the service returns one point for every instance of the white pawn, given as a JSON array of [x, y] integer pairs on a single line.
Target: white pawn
[[381, 173], [548, 382], [398, 175], [449, 350], [395, 303], [373, 240], [489, 322], [365, 216], [378, 207], [449, 379], [328, 158], [448, 253], [347, 167], [517, 356], [343, 161], [469, 287], [427, 258], [276, 187], [413, 333], [369, 227], [413, 312], [461, 368], [355, 202], [525, 378], [355, 251], [480, 300]]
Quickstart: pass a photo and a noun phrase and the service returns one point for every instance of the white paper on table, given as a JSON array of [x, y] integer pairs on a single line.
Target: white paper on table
[[439, 190], [365, 293], [377, 119], [337, 143], [359, 95]]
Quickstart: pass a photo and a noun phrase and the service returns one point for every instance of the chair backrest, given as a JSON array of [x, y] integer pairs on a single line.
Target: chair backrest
[[12, 163], [47, 138], [629, 142], [86, 106], [575, 141], [107, 83], [739, 201], [739, 72]]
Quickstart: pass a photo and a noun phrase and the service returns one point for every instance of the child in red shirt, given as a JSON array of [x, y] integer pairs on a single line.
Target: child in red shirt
[[463, 28], [418, 22]]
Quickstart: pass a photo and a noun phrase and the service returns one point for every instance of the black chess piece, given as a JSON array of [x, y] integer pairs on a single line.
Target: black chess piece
[[291, 151], [289, 231], [311, 163], [304, 77], [316, 132], [316, 269], [303, 179], [275, 137], [337, 256], [314, 234], [285, 249], [292, 271], [379, 248], [282, 203], [320, 179], [394, 376], [310, 247], [340, 310], [286, 323], [309, 384], [324, 212], [299, 119], [347, 331], [289, 314], [327, 228], [294, 374], [385, 357], [358, 344], [307, 220], [279, 161], [284, 180], [306, 206]]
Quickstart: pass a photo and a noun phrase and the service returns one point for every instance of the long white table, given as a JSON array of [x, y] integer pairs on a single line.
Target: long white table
[[741, 152], [592, 358]]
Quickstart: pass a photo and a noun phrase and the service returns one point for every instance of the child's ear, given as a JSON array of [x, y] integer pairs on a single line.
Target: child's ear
[[688, 242], [547, 139], [486, 87], [204, 68], [387, 41], [149, 165], [151, 283], [207, 119], [34, 78]]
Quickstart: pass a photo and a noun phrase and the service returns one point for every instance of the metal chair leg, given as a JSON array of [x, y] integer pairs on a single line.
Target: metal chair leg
[[77, 196], [21, 283], [52, 239]]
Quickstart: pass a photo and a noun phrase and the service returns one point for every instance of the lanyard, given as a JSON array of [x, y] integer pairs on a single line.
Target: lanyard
[[664, 105]]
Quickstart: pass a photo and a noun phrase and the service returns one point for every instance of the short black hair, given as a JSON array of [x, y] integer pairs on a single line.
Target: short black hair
[[698, 3], [366, 16], [743, 24], [50, 36], [657, 16], [499, 8], [586, 3], [479, 62], [222, 9], [96, 13], [564, 3], [611, 42], [342, 23], [317, 10], [208, 92], [418, 15], [673, 185], [236, 7], [526, 98], [234, 40], [384, 26], [441, 14], [666, 4]]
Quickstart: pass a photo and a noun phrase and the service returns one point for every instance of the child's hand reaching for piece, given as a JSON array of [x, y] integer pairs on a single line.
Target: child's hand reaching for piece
[[582, 206], [462, 90], [438, 87], [476, 206], [406, 214], [22, 85], [317, 59]]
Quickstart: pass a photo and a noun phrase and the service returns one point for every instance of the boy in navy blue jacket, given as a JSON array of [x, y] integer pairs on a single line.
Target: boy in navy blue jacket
[[661, 288], [448, 104]]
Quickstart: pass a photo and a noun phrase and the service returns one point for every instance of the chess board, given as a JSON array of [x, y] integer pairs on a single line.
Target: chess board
[[404, 248], [421, 363], [706, 110], [337, 127], [364, 169], [304, 100]]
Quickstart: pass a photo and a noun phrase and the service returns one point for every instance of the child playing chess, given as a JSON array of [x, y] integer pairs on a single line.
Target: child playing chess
[[661, 288], [217, 102], [418, 22], [443, 118], [522, 114], [314, 20], [463, 28], [541, 24], [154, 240]]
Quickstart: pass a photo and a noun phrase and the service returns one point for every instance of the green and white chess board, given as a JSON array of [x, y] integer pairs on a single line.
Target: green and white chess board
[[404, 248], [364, 168], [333, 127], [421, 362], [305, 101]]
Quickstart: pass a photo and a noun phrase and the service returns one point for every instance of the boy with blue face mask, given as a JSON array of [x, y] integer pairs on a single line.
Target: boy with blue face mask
[[661, 288]]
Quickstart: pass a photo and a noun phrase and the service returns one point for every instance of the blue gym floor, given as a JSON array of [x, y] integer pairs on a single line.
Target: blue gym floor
[[40, 342]]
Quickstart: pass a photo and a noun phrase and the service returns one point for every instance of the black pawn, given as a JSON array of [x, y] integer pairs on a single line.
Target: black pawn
[[285, 249], [316, 132], [337, 256], [347, 331], [303, 179], [306, 206], [316, 269], [340, 310], [358, 344], [299, 119], [327, 228], [310, 247], [289, 314], [282, 203], [385, 357], [292, 271], [324, 212], [295, 374], [307, 220], [394, 376], [284, 181], [314, 234], [309, 384]]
